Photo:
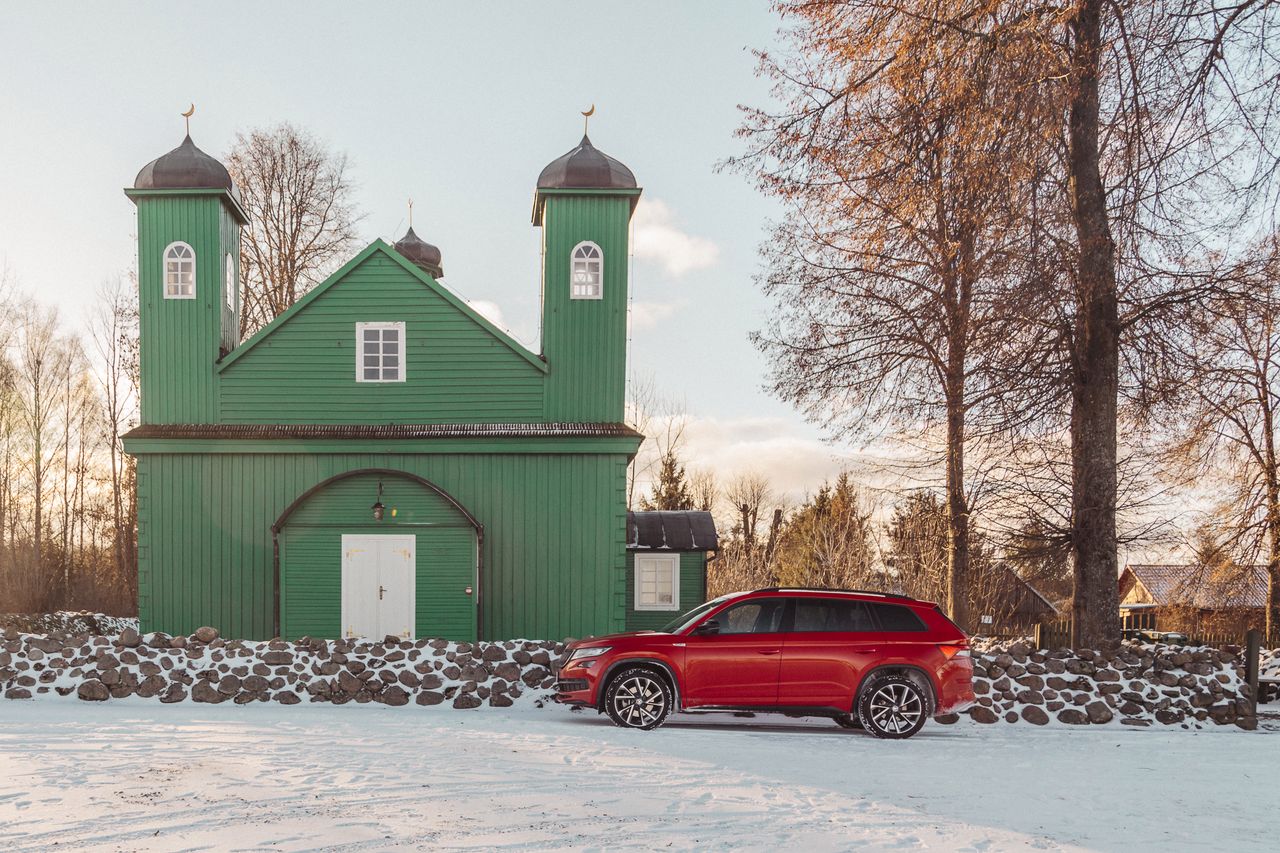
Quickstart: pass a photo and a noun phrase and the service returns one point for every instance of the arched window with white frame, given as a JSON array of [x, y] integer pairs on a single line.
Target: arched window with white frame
[[179, 271], [229, 289], [587, 275]]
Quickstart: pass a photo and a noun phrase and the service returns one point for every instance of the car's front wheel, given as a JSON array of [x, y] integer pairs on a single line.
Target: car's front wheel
[[893, 706], [638, 698]]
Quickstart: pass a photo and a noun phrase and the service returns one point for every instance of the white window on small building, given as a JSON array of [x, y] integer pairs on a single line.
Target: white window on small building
[[229, 290], [657, 582], [380, 352], [179, 272], [587, 275]]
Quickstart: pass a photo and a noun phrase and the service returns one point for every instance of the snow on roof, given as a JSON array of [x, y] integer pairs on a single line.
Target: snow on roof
[[1199, 586]]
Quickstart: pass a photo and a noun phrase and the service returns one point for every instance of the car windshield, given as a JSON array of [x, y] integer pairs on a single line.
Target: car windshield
[[681, 622]]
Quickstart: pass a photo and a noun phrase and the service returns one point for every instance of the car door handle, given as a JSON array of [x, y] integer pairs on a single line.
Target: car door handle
[[770, 651]]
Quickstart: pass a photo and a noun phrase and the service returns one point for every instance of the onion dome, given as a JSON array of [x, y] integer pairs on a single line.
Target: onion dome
[[420, 253], [185, 167], [586, 167]]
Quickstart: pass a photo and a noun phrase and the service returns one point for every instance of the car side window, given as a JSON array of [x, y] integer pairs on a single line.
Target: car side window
[[759, 616], [826, 614], [895, 617]]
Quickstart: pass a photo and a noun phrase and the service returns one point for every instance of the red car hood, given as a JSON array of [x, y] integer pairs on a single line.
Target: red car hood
[[609, 638]]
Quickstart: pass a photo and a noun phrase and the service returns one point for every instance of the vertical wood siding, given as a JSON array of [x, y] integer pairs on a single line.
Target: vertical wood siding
[[180, 338], [553, 555], [585, 340], [456, 371]]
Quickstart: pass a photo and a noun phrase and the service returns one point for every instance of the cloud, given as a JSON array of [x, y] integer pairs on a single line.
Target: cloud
[[794, 462], [656, 238], [488, 310], [645, 315]]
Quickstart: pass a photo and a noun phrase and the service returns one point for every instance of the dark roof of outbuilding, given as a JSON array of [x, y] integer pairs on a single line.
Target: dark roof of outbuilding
[[420, 253], [1199, 586], [380, 431], [185, 167], [586, 167], [688, 530]]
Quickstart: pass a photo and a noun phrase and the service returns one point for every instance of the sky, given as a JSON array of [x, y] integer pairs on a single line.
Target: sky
[[458, 106]]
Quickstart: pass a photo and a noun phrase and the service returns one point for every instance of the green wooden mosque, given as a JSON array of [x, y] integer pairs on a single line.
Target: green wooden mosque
[[381, 459]]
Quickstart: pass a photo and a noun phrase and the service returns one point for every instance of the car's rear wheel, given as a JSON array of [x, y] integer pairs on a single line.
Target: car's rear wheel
[[848, 721], [893, 706], [638, 698]]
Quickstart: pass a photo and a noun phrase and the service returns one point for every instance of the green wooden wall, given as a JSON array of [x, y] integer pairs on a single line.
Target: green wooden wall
[[179, 339], [585, 340], [303, 371], [553, 556], [311, 556], [693, 591]]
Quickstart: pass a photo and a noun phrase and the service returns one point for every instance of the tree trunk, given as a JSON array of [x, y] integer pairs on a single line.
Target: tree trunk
[[957, 520], [1095, 385]]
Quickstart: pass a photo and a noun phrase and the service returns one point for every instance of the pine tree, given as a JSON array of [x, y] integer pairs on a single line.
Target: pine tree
[[671, 491]]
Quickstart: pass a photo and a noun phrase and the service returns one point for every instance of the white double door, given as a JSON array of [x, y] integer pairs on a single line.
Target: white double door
[[378, 585]]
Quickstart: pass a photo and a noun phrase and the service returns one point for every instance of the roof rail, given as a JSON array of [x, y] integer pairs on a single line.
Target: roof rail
[[832, 589]]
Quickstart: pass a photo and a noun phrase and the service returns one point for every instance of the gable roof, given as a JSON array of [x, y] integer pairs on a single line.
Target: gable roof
[[663, 530], [1196, 585], [379, 246]]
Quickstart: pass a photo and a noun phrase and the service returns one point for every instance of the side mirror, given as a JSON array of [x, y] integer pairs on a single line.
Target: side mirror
[[711, 626]]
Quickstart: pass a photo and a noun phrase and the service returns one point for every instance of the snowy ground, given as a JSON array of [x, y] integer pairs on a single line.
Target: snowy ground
[[135, 775]]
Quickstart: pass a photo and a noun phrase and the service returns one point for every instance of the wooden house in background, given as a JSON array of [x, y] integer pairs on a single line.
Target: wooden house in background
[[1192, 598]]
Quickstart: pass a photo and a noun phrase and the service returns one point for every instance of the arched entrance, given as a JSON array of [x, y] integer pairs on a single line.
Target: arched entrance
[[342, 572]]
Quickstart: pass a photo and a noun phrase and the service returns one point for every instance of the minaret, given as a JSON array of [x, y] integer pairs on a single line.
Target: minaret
[[419, 252], [189, 220], [583, 203]]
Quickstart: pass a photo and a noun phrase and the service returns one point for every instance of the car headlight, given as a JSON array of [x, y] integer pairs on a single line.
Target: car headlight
[[592, 652]]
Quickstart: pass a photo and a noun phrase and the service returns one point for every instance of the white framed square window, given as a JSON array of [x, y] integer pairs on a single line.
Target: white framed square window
[[657, 582], [380, 349]]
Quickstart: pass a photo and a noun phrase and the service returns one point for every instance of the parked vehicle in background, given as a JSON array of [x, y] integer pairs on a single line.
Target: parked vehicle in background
[[1148, 635], [881, 662]]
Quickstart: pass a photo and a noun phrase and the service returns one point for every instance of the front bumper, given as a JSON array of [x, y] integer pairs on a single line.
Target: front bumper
[[576, 685]]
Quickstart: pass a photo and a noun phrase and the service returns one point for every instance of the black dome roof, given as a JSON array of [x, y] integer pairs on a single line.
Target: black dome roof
[[420, 253], [586, 167], [185, 167]]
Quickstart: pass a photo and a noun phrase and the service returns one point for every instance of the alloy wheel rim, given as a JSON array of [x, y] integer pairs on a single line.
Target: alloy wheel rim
[[639, 701], [896, 708]]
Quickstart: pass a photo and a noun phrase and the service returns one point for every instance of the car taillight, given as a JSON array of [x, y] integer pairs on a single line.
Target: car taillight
[[953, 651]]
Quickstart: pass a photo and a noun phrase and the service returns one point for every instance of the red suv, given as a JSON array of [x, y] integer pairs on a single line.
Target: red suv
[[869, 660]]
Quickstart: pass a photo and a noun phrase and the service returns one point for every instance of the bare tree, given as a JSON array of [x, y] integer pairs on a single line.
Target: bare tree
[[302, 219], [706, 491], [1228, 405], [114, 330], [662, 421], [894, 270], [1134, 120], [43, 360]]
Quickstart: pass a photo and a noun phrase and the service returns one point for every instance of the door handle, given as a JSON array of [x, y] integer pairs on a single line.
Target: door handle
[[770, 651], [381, 590]]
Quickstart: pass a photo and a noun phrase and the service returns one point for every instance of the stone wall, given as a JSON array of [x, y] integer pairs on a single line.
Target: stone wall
[[1135, 684], [205, 668]]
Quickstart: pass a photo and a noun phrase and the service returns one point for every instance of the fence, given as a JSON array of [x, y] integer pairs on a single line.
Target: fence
[[1056, 634]]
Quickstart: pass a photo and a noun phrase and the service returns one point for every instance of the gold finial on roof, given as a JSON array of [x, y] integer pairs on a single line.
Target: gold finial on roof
[[410, 213], [586, 118], [191, 110]]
